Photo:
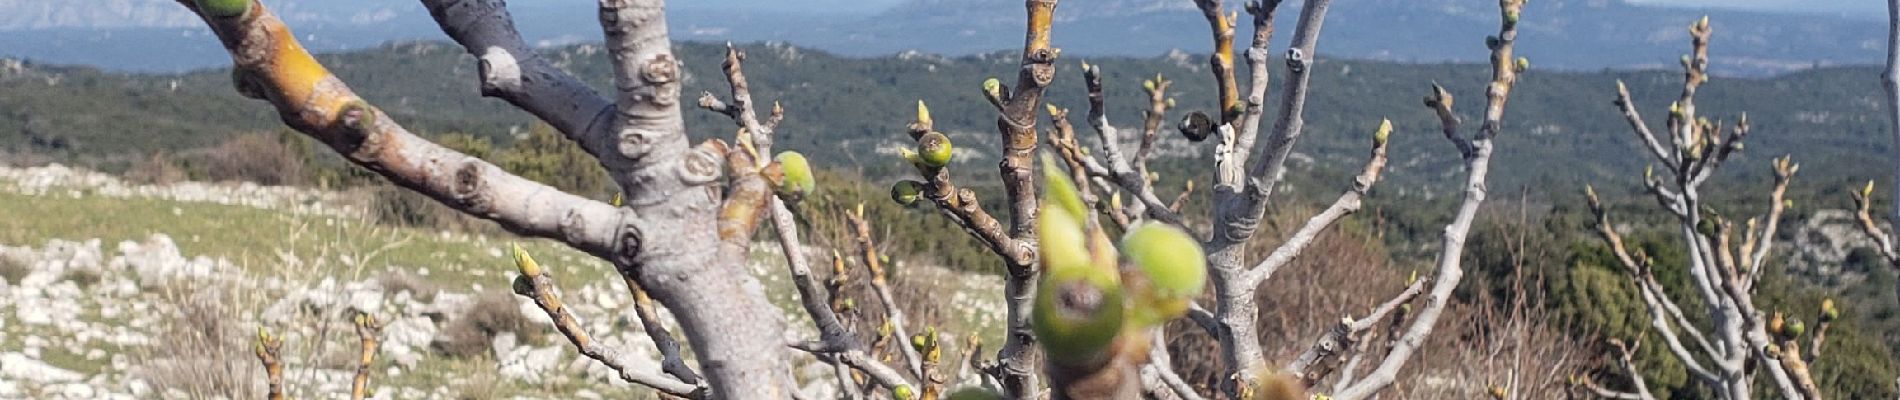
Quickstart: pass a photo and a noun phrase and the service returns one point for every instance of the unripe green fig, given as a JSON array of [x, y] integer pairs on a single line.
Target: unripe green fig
[[972, 393], [798, 180], [907, 192], [934, 149], [993, 87], [903, 392], [1795, 328], [1078, 313], [1174, 265], [1079, 305], [224, 8]]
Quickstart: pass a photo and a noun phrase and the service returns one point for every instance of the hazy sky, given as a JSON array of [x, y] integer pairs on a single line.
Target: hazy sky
[[866, 6], [1779, 5]]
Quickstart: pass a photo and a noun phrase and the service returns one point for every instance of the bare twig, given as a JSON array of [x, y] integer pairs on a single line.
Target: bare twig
[[268, 349], [367, 329], [535, 284], [1504, 73]]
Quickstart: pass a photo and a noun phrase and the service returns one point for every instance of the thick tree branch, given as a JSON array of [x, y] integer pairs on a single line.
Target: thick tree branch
[[515, 72], [1240, 201]]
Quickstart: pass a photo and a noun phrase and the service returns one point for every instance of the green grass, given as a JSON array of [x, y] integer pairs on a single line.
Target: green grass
[[253, 238]]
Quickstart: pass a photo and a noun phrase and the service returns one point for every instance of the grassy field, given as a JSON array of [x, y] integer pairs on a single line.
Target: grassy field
[[302, 248]]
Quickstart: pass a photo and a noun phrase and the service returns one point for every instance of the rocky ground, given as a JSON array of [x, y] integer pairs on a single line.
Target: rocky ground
[[140, 309]]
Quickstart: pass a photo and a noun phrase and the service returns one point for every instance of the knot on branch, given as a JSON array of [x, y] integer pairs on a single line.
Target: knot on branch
[[1296, 60], [468, 187], [702, 165], [499, 71]]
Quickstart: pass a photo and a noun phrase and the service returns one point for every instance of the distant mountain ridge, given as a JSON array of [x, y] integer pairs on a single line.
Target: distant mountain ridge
[[157, 35]]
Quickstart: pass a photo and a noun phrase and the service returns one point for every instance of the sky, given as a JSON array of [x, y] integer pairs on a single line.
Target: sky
[[1827, 6]]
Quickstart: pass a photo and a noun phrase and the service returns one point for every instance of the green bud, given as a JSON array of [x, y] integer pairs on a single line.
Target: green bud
[[1774, 350], [907, 192], [903, 392], [224, 8], [934, 149], [1174, 265], [1148, 85], [923, 113], [1828, 312], [1060, 190], [1510, 16], [1867, 192], [993, 87], [1796, 328], [524, 262], [1170, 102], [1523, 64], [1385, 131], [798, 180]]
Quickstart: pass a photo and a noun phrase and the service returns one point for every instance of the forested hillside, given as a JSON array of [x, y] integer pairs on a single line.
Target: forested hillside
[[846, 110]]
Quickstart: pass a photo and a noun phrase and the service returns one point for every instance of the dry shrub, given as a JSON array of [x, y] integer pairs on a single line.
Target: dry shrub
[[14, 269], [1478, 342], [263, 159], [420, 289], [205, 353], [157, 169], [472, 333]]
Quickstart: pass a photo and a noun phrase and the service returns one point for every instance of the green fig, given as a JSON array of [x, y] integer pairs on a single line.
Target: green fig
[[1078, 313], [224, 8], [1795, 328], [1079, 305], [934, 149], [798, 180], [1173, 263], [903, 392], [907, 192]]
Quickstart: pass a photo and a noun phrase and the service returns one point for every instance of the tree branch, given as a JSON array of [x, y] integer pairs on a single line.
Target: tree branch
[[268, 348], [1348, 203], [513, 71], [534, 283], [367, 330], [1504, 71]]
